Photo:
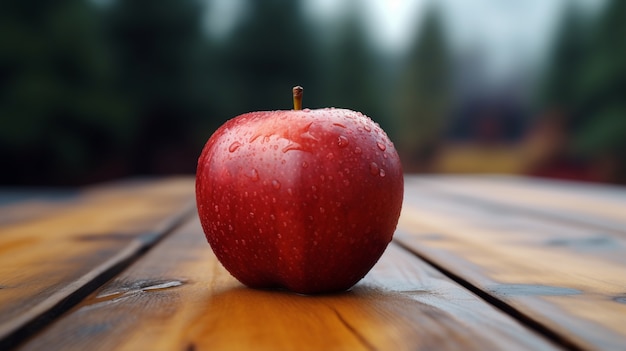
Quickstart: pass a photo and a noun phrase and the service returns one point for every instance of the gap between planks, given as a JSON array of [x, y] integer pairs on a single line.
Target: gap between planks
[[466, 231], [501, 305], [50, 309]]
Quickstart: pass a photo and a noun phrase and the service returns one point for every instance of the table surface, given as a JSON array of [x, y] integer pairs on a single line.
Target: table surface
[[477, 263]]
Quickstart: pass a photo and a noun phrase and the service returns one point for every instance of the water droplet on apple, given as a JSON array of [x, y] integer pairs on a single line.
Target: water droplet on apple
[[254, 137], [217, 208], [279, 236], [339, 125], [330, 156], [382, 172], [322, 210], [307, 110], [313, 187], [305, 164], [292, 146], [367, 128], [253, 175], [289, 191], [272, 217], [251, 214], [234, 146], [374, 169], [346, 182], [381, 146], [275, 184], [342, 141], [230, 227], [357, 150]]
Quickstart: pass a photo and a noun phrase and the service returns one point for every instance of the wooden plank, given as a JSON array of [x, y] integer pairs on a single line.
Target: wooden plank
[[49, 262], [596, 205], [22, 204], [178, 297], [564, 277]]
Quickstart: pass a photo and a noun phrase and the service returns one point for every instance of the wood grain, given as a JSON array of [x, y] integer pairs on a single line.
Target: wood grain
[[23, 204], [178, 297], [50, 260], [595, 205], [566, 277]]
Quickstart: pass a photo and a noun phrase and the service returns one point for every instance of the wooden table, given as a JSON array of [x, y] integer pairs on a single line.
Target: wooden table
[[477, 263]]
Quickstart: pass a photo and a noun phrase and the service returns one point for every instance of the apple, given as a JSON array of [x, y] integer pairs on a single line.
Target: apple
[[304, 200]]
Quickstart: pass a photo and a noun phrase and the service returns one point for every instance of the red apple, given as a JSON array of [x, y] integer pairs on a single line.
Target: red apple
[[305, 200]]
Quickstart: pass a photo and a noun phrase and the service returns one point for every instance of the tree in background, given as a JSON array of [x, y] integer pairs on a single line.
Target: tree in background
[[585, 83], [61, 116], [549, 143], [271, 50], [423, 94], [600, 130], [159, 47], [560, 90], [353, 72], [98, 90]]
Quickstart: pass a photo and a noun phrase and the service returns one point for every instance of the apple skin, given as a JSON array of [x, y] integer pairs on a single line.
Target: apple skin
[[304, 200]]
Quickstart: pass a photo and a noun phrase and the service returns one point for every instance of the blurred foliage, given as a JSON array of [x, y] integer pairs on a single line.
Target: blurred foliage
[[59, 109], [422, 95], [586, 83], [94, 90], [160, 52], [355, 74], [561, 88], [272, 50]]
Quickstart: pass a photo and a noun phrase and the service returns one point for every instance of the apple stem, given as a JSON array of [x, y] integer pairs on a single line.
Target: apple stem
[[297, 97]]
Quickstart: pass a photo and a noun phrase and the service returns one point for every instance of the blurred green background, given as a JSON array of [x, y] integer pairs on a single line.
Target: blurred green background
[[93, 90]]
